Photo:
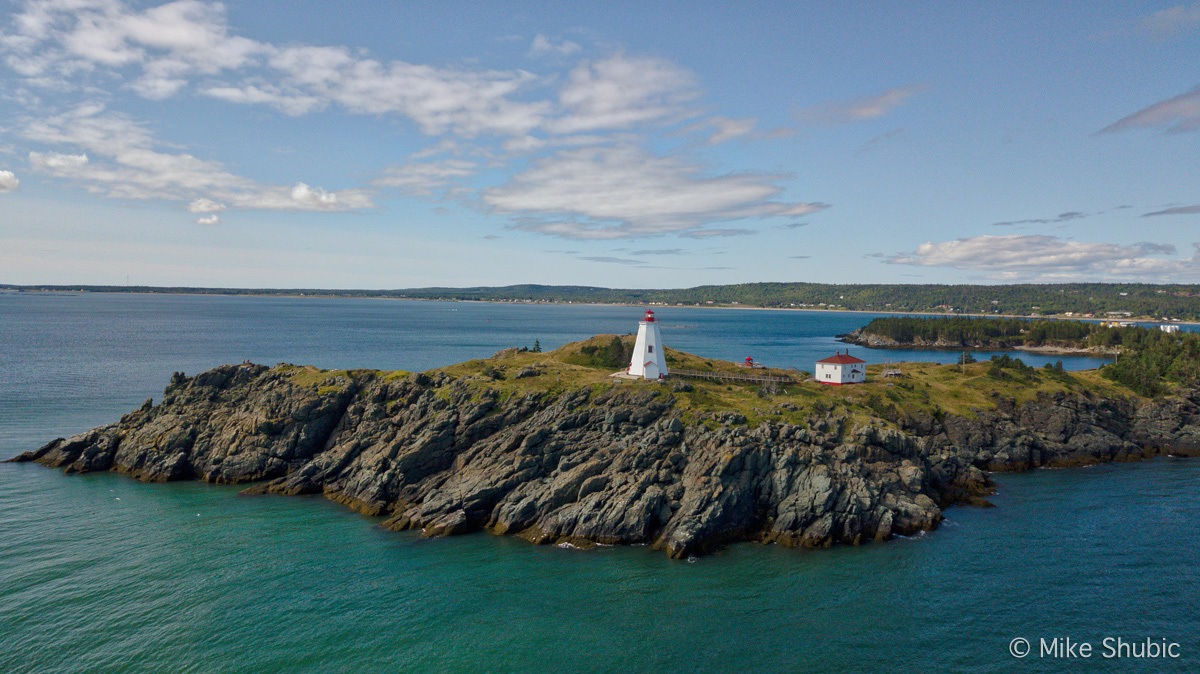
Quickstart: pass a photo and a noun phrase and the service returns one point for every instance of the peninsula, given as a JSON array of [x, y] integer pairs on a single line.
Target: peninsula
[[968, 333], [550, 447]]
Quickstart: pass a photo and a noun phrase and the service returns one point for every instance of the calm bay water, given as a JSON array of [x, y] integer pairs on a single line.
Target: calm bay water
[[102, 573]]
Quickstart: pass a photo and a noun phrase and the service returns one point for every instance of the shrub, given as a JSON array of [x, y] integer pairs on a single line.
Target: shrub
[[613, 355], [1004, 366]]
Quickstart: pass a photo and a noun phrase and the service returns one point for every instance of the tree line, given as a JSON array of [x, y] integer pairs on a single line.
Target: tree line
[[1148, 361], [1138, 299], [1151, 360], [984, 332]]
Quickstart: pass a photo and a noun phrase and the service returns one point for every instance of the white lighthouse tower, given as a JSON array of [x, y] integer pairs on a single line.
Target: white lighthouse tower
[[648, 360]]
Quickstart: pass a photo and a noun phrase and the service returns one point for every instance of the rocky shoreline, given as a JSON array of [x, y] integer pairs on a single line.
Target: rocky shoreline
[[604, 463], [876, 341]]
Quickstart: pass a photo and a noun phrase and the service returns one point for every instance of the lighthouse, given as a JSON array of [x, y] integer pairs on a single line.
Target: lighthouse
[[648, 361]]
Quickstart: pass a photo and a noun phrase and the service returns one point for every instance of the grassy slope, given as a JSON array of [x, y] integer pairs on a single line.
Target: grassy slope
[[924, 388]]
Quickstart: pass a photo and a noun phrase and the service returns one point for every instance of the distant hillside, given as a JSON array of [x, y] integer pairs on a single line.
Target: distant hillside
[[1139, 300]]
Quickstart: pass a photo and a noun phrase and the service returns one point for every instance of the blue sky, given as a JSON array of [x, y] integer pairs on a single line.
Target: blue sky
[[405, 144]]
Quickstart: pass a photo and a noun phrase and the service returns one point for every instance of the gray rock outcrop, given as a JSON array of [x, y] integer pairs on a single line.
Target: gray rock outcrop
[[603, 465]]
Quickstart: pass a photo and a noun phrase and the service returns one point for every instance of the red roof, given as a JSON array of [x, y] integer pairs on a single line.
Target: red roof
[[841, 359]]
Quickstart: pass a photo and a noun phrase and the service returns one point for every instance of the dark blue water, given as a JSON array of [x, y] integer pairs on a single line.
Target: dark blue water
[[75, 361], [102, 573]]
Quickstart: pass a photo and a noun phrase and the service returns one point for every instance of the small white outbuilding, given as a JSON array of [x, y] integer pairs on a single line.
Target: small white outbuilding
[[841, 368], [648, 361]]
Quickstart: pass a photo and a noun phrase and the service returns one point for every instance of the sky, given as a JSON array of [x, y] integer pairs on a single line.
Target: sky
[[667, 144]]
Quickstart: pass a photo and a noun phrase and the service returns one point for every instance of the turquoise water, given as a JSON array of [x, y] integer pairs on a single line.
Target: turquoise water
[[102, 573]]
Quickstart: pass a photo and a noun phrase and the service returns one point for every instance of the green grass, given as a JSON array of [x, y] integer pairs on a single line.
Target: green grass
[[307, 376], [922, 388]]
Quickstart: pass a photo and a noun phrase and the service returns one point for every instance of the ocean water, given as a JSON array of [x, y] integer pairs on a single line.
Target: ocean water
[[102, 573], [71, 361]]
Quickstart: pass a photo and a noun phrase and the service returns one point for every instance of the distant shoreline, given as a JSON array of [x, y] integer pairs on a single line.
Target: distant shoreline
[[1142, 319], [266, 292], [1040, 350]]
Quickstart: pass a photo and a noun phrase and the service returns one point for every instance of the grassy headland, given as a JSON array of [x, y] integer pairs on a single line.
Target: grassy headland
[[920, 389], [551, 448]]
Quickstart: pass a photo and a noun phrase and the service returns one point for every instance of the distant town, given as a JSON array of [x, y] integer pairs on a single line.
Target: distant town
[[1173, 302]]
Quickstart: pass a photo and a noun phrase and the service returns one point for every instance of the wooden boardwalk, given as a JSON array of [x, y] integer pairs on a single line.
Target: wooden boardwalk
[[732, 377]]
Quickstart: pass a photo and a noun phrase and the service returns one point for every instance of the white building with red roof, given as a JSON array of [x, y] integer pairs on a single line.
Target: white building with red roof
[[841, 368]]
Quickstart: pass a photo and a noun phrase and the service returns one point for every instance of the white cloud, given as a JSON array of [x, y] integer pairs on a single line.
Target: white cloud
[[523, 144], [725, 128], [1067, 216], [620, 192], [8, 181], [208, 220], [659, 251], [187, 45], [289, 103], [57, 163], [205, 206], [134, 169], [1029, 257], [299, 197], [1176, 115], [436, 99], [859, 109], [621, 91], [543, 45], [157, 88], [610, 260], [423, 179], [168, 42], [718, 232], [1176, 210], [801, 208], [157, 53], [444, 146], [1172, 21], [315, 196], [167, 46], [130, 166]]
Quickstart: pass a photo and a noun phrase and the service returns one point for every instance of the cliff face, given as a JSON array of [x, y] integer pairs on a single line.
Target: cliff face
[[602, 463]]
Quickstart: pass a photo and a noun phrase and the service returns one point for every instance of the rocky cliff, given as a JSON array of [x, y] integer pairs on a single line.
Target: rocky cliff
[[525, 449], [862, 337]]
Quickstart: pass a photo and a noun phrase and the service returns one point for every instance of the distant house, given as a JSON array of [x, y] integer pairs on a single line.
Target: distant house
[[841, 368]]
